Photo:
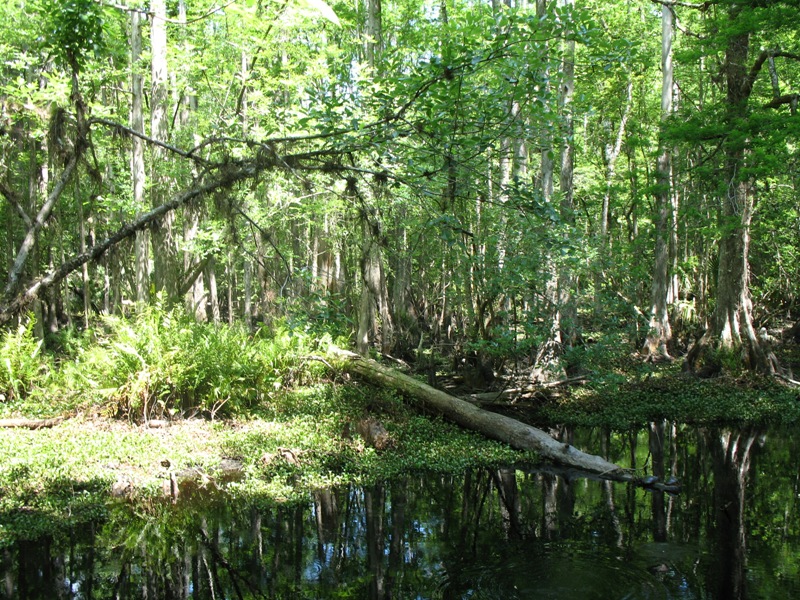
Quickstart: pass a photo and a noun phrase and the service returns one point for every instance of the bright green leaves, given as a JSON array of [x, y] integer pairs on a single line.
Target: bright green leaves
[[321, 8], [73, 30]]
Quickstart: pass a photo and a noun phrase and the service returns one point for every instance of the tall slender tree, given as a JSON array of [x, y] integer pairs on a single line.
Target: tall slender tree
[[660, 331]]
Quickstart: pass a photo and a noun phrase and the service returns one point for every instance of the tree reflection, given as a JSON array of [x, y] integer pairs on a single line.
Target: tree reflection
[[656, 446], [731, 453], [485, 533]]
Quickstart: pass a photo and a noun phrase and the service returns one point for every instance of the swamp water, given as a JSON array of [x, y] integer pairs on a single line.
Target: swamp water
[[732, 533]]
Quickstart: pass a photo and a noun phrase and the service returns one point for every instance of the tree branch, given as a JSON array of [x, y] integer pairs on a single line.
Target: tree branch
[[192, 274], [779, 101], [14, 304], [759, 63], [695, 5], [148, 13], [147, 138], [14, 201], [37, 224]]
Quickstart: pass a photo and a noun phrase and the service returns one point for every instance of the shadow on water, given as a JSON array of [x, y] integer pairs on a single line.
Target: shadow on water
[[506, 533]]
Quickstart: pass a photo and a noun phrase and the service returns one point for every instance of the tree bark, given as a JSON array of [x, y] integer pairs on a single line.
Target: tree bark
[[732, 320], [568, 318], [563, 326], [141, 259], [165, 250], [211, 275], [493, 425], [374, 47], [660, 331]]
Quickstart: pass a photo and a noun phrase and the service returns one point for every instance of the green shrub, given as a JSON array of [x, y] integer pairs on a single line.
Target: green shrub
[[163, 362], [23, 367]]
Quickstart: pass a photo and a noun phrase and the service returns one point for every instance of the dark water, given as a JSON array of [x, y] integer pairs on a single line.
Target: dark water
[[507, 533]]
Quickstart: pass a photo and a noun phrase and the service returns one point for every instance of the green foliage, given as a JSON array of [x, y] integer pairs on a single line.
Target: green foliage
[[23, 368], [163, 363], [73, 30], [665, 393]]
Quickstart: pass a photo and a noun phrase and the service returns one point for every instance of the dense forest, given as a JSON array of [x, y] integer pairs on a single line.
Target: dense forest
[[501, 181]]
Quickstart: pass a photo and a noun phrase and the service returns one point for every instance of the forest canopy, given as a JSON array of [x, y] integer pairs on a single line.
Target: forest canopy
[[495, 179]]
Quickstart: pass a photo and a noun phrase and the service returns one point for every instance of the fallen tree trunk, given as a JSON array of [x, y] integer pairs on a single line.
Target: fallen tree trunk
[[31, 423], [514, 433]]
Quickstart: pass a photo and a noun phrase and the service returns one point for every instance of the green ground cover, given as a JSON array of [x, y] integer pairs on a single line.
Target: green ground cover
[[270, 403]]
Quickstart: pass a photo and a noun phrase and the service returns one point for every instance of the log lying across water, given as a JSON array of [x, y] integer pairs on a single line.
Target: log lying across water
[[514, 433]]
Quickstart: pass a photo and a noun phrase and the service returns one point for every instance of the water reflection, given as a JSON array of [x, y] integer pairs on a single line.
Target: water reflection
[[501, 533]]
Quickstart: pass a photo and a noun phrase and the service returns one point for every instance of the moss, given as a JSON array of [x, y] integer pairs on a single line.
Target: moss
[[51, 478], [665, 393]]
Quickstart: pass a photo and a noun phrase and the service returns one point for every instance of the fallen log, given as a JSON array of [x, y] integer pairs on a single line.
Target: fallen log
[[505, 429], [31, 423]]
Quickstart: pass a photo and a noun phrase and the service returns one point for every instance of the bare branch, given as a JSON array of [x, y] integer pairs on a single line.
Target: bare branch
[[695, 5], [763, 57], [192, 274], [14, 201], [147, 138], [36, 225], [124, 8], [267, 237]]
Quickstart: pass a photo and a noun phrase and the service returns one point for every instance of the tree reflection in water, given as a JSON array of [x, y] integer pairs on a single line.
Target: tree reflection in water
[[731, 453], [499, 533]]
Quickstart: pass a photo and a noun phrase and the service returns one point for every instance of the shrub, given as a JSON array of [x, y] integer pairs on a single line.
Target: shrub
[[23, 367], [162, 362]]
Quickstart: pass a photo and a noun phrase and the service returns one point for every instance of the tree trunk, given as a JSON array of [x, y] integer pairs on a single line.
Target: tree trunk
[[563, 331], [374, 295], [660, 331], [493, 425], [211, 275], [568, 319], [141, 258], [165, 250], [82, 244], [374, 47], [732, 327], [195, 297], [248, 293], [611, 154]]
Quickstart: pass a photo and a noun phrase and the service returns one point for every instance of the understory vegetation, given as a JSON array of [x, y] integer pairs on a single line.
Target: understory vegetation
[[270, 401]]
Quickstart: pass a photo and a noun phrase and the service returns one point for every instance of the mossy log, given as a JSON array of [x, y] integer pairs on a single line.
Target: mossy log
[[518, 435]]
